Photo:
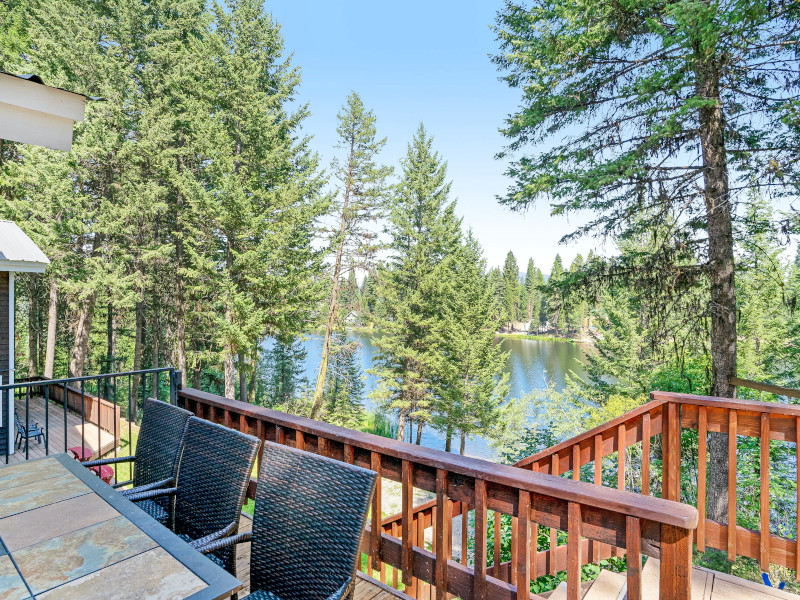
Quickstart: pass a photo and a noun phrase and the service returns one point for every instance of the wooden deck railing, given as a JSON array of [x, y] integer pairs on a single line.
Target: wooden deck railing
[[659, 422], [592, 517]]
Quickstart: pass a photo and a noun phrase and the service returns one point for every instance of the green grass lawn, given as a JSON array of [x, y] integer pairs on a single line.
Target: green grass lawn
[[127, 447]]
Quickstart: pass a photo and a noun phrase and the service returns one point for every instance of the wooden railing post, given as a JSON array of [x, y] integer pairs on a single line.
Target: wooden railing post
[[671, 453], [406, 558], [479, 576], [523, 580], [444, 522], [676, 563], [375, 546]]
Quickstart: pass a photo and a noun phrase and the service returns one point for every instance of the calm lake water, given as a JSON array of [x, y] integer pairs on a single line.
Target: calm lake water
[[530, 364]]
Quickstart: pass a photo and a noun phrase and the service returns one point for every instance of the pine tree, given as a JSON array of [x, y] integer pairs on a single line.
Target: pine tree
[[363, 195], [470, 393], [531, 292], [511, 290], [681, 104], [344, 389], [280, 375], [556, 309], [266, 183], [577, 307], [425, 237]]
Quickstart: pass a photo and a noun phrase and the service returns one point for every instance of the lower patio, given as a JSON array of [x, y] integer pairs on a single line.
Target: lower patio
[[50, 417]]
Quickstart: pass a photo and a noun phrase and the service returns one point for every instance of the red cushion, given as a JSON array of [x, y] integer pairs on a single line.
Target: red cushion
[[81, 453]]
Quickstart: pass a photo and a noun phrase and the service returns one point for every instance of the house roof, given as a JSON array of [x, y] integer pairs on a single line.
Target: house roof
[[18, 252]]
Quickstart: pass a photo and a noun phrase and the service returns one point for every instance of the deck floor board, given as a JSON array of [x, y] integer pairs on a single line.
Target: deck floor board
[[55, 431]]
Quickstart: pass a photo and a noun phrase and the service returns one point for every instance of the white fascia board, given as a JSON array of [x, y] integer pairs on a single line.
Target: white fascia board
[[41, 98], [33, 127], [22, 267]]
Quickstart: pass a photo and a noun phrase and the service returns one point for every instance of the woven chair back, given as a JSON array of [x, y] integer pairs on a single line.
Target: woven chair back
[[310, 512], [214, 472], [158, 448]]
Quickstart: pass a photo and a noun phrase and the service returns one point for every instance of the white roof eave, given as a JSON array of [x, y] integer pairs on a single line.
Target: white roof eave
[[18, 252]]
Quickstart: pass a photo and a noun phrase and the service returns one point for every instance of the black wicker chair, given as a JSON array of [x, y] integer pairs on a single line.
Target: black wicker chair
[[310, 512], [158, 452], [212, 481]]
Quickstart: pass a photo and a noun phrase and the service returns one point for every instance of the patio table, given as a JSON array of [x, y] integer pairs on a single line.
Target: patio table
[[64, 534]]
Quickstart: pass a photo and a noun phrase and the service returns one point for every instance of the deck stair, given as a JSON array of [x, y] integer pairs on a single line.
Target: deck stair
[[706, 585]]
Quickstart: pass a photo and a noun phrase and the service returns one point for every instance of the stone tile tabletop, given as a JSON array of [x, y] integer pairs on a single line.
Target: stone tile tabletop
[[62, 538]]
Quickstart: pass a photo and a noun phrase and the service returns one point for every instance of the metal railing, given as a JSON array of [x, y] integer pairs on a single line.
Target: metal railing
[[36, 410]]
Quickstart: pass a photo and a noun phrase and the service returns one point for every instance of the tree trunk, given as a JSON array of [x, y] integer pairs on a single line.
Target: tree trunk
[[448, 440], [83, 327], [251, 391], [80, 348], [155, 347], [463, 443], [418, 441], [52, 324], [229, 368], [401, 426], [180, 309], [138, 351], [242, 378], [720, 266], [333, 302], [33, 327], [109, 368]]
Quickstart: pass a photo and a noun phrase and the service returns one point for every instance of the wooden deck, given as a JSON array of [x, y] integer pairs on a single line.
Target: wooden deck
[[75, 434], [366, 588]]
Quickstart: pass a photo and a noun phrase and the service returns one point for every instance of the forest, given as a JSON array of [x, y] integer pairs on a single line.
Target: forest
[[193, 222]]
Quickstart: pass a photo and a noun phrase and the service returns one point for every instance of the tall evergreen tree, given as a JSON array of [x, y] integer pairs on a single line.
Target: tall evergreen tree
[[557, 313], [531, 292], [362, 197], [425, 237], [511, 290], [344, 390], [673, 111], [266, 184], [472, 387]]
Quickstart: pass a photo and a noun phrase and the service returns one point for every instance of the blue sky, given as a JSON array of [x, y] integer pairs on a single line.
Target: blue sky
[[428, 61]]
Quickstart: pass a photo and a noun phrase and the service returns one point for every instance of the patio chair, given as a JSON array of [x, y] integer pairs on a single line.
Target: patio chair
[[158, 452], [212, 481], [310, 512], [33, 431]]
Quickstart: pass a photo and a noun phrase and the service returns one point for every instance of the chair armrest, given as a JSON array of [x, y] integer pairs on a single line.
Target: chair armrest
[[239, 538], [344, 591], [107, 461], [156, 485], [160, 493], [212, 537]]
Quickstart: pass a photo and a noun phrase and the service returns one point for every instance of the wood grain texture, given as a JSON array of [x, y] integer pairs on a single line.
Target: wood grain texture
[[375, 554], [479, 579], [523, 575], [633, 542], [702, 476], [732, 446], [407, 502], [676, 564], [764, 492], [646, 434], [574, 552], [442, 534]]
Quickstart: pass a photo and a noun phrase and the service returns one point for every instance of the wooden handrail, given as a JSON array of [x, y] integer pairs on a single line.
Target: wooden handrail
[[765, 387], [592, 516], [664, 417]]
